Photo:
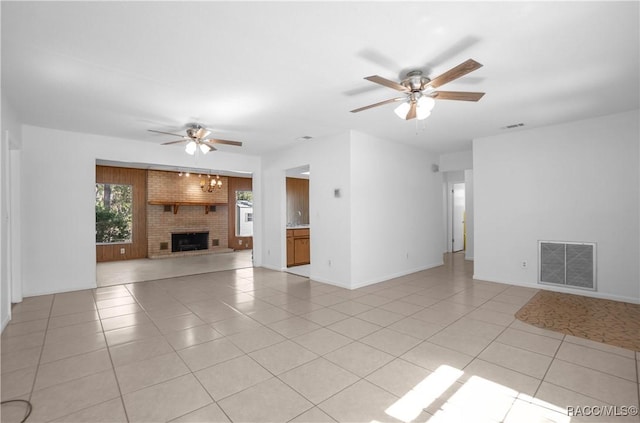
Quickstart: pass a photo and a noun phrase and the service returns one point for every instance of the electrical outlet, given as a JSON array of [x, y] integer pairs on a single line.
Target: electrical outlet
[[524, 264], [121, 250]]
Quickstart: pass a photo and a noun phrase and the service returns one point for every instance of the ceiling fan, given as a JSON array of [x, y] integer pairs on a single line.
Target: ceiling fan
[[420, 91], [197, 138]]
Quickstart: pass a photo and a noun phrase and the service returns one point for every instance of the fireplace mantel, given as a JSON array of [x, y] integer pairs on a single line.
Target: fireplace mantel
[[176, 204]]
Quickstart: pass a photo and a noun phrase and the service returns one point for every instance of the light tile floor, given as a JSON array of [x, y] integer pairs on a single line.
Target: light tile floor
[[129, 271], [255, 345]]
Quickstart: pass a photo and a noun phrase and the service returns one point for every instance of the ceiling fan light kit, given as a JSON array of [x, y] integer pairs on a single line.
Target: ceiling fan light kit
[[424, 105], [420, 91], [197, 138], [191, 147]]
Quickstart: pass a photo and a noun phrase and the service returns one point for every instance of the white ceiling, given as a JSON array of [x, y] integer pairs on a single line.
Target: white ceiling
[[266, 73]]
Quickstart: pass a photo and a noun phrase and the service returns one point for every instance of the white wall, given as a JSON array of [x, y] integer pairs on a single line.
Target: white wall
[[58, 195], [15, 225], [468, 192], [5, 282], [328, 160], [572, 182], [396, 207], [10, 139], [456, 161]]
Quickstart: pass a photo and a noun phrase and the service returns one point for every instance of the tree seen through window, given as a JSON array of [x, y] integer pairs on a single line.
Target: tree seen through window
[[114, 213]]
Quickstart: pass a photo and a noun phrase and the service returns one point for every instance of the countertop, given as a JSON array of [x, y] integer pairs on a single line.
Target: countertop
[[298, 226]]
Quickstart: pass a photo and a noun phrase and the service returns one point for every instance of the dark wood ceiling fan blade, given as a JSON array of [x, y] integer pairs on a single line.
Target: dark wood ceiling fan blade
[[218, 141], [455, 73], [392, 100], [173, 142], [412, 111], [387, 83], [457, 95], [167, 133]]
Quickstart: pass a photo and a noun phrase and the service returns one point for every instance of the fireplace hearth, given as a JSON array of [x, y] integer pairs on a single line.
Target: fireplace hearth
[[189, 241]]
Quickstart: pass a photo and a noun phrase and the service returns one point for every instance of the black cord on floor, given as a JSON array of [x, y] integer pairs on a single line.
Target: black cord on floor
[[29, 407]]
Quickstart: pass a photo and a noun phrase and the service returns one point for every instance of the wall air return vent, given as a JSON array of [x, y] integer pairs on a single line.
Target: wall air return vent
[[570, 264]]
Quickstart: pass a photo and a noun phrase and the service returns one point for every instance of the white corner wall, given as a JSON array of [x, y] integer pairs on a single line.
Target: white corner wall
[[572, 182], [10, 140], [58, 195], [396, 210], [5, 282], [387, 221], [328, 160], [469, 213]]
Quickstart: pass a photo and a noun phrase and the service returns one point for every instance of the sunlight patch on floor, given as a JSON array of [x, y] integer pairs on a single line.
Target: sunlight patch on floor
[[477, 400], [424, 393]]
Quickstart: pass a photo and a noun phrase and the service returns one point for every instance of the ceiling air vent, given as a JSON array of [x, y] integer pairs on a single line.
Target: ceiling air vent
[[515, 125]]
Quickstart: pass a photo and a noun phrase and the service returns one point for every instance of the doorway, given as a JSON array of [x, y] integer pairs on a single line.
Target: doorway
[[298, 229], [458, 229]]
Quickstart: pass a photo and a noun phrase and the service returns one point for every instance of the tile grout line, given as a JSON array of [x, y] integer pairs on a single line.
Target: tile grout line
[[191, 371], [548, 367], [113, 367], [44, 340], [569, 389]]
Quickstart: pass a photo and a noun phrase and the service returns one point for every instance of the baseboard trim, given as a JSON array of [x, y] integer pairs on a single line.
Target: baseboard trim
[[61, 291], [328, 282], [395, 275], [593, 294], [270, 267], [5, 321], [385, 278]]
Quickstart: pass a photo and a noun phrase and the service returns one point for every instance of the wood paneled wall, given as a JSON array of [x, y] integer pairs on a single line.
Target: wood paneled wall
[[138, 179], [297, 201], [238, 184]]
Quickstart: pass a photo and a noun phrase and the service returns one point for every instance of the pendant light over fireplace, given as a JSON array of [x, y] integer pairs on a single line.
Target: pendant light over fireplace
[[210, 183]]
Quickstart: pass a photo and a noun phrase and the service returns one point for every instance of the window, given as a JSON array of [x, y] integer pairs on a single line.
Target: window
[[114, 213], [244, 213]]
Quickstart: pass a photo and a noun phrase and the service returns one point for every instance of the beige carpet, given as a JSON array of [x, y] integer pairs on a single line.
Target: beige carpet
[[611, 322]]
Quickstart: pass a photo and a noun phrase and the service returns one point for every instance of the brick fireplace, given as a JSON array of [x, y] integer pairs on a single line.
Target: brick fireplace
[[177, 205]]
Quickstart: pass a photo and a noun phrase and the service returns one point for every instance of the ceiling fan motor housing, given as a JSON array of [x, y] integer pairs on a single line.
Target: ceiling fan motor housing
[[415, 81], [192, 130]]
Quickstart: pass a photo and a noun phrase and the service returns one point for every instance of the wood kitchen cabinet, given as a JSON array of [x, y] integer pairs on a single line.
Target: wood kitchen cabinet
[[290, 248], [298, 249]]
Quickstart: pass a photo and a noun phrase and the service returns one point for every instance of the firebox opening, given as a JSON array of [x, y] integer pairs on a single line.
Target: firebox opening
[[189, 241]]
